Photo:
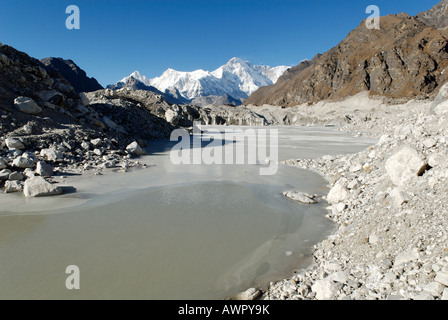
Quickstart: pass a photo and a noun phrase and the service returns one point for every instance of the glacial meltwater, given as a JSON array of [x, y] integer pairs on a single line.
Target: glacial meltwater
[[169, 231]]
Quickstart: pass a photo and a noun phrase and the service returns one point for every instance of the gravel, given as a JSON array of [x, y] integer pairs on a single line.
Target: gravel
[[389, 205]]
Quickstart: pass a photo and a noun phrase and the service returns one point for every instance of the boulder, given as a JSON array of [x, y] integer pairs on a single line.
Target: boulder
[[441, 108], [300, 197], [3, 164], [440, 103], [13, 186], [354, 184], [325, 289], [4, 174], [405, 165], [434, 288], [96, 142], [39, 187], [356, 168], [340, 207], [44, 169], [406, 256], [442, 277], [51, 154], [135, 149], [172, 116], [13, 143], [18, 176], [249, 295], [47, 95], [337, 194], [85, 145], [29, 173], [445, 295], [23, 162], [429, 143], [340, 277], [27, 105]]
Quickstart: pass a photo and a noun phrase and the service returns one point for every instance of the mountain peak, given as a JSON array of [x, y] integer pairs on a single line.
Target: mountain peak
[[237, 60], [136, 73], [237, 78], [437, 16], [137, 76]]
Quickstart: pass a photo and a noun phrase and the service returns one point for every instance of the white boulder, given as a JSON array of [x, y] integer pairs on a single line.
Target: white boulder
[[39, 187], [13, 143], [434, 288], [13, 186], [337, 194], [442, 277], [135, 149], [406, 256], [51, 154], [27, 105], [404, 165], [171, 116], [325, 289]]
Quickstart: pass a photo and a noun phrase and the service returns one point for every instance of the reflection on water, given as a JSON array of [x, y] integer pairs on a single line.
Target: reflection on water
[[168, 232]]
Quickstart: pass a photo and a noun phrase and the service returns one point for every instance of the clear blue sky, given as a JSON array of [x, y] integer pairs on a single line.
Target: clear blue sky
[[118, 37]]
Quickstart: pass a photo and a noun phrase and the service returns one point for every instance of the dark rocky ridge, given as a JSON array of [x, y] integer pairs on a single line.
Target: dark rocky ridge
[[405, 59], [72, 73]]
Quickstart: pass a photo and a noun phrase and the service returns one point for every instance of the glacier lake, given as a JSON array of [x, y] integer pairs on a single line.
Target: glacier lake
[[170, 231]]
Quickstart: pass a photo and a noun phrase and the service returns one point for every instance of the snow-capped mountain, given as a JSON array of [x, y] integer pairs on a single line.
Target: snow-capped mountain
[[237, 78], [137, 76]]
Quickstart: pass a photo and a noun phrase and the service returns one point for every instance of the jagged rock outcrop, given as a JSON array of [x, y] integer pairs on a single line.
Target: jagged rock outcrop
[[74, 74], [405, 59], [215, 101]]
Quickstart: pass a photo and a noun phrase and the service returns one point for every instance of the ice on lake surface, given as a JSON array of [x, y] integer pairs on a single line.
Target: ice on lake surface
[[169, 232]]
